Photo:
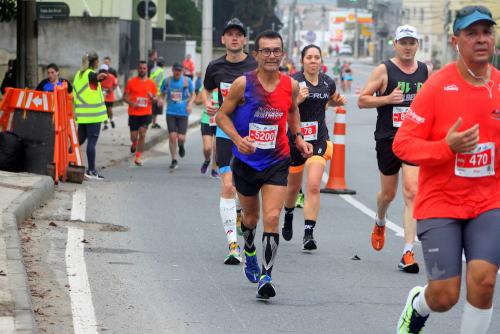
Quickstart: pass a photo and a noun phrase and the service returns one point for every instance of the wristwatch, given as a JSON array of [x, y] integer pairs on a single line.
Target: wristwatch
[[298, 134]]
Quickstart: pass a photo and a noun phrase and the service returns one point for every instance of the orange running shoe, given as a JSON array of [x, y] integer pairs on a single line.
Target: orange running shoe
[[408, 263], [378, 237]]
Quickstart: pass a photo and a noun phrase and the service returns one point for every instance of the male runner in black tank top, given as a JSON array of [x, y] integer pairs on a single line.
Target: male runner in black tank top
[[395, 83]]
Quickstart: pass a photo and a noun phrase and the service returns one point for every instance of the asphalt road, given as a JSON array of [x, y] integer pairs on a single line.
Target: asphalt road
[[166, 273]]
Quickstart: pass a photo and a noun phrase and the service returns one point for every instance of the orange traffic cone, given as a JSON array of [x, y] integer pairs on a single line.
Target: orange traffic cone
[[336, 179]]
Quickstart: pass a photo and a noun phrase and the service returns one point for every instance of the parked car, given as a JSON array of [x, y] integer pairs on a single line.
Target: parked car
[[345, 50]]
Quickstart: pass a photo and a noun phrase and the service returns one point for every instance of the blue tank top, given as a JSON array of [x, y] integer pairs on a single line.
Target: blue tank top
[[263, 116]]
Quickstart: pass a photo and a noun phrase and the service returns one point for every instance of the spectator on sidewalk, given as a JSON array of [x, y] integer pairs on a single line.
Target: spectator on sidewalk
[[152, 57], [107, 61], [10, 76], [48, 84], [108, 89], [90, 110], [158, 76]]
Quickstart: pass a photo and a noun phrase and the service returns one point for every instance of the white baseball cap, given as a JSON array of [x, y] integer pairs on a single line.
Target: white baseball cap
[[104, 67], [406, 31]]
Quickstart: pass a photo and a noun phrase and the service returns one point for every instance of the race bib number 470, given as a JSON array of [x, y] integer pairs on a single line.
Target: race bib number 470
[[264, 135], [309, 130], [478, 163], [398, 116], [141, 102]]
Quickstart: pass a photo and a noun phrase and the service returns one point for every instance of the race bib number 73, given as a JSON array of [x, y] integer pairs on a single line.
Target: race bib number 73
[[478, 163]]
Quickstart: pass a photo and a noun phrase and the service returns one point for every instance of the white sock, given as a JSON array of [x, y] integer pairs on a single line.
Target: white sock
[[408, 247], [475, 320], [228, 216], [420, 304], [379, 222]]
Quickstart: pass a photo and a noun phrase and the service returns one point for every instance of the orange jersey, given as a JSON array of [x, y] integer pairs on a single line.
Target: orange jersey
[[108, 86], [453, 185], [140, 92]]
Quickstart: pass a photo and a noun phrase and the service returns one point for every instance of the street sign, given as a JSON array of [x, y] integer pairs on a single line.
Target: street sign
[[141, 9], [352, 3], [52, 10]]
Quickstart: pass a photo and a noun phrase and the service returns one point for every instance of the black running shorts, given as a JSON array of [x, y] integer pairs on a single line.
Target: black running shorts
[[207, 130], [223, 154], [388, 162], [136, 122], [248, 181]]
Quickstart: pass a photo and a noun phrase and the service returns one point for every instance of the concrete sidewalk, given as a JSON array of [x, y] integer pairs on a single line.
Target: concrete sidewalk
[[23, 193]]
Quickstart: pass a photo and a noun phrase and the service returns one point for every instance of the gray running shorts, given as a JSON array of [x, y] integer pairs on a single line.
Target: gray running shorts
[[443, 240]]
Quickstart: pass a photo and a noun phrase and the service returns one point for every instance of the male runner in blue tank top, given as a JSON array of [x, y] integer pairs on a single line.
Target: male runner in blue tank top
[[395, 83], [255, 115]]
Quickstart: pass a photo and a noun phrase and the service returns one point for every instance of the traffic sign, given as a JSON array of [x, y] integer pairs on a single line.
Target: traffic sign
[[141, 9], [52, 10]]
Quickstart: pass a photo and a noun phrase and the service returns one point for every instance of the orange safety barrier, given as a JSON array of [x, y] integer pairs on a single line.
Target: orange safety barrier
[[336, 180], [60, 103]]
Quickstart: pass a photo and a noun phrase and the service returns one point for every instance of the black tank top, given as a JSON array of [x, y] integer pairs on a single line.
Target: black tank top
[[390, 116]]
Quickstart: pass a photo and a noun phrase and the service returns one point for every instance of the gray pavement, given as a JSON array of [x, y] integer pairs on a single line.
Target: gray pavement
[[22, 193]]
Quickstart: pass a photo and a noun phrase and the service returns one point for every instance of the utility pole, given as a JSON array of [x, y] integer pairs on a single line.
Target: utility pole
[[291, 27], [147, 31], [249, 33], [207, 33], [27, 51], [446, 27], [356, 33]]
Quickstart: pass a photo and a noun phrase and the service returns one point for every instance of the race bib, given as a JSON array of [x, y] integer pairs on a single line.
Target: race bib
[[478, 163], [211, 121], [224, 88], [264, 135], [398, 116], [176, 96], [309, 130], [141, 102]]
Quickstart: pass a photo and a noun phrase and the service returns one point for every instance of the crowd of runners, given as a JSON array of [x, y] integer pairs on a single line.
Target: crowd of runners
[[261, 129]]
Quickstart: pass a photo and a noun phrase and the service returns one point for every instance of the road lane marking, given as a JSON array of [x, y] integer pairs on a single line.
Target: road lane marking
[[84, 321], [367, 211], [79, 204]]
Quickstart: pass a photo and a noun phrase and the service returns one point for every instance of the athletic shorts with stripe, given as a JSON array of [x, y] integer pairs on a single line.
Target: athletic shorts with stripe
[[322, 151], [443, 240], [207, 130], [223, 154]]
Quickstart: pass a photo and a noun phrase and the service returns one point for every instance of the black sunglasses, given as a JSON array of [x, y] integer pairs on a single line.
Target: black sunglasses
[[471, 9]]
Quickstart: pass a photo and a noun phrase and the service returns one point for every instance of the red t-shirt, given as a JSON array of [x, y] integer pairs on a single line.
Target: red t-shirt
[[108, 86], [140, 92], [188, 67], [453, 185]]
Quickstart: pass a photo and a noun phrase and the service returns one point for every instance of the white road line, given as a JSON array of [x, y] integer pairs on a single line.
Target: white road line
[[367, 211], [84, 321], [79, 205]]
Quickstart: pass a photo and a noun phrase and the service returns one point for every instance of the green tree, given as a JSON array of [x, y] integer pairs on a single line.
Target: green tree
[[8, 10], [187, 18]]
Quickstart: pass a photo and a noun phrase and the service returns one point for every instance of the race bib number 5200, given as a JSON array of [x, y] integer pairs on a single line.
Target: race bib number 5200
[[478, 163], [264, 135]]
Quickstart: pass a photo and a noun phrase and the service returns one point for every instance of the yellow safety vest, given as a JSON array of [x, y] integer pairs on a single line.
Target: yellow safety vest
[[157, 75], [89, 103]]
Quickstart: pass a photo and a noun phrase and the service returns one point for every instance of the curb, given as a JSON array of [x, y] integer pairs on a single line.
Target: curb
[[21, 209]]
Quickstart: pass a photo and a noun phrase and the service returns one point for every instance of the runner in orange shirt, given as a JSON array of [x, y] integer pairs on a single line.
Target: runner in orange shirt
[[452, 131], [139, 94]]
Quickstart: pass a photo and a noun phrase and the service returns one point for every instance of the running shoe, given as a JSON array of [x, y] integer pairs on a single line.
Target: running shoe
[[174, 164], [204, 167], [410, 322], [93, 175], [234, 256], [299, 202], [133, 148], [408, 263], [105, 127], [239, 220], [309, 243], [138, 162], [156, 126], [287, 229], [378, 237], [182, 151], [252, 270], [266, 287], [215, 174], [112, 124]]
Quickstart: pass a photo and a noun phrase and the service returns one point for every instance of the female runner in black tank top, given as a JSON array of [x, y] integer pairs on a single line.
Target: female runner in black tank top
[[317, 90]]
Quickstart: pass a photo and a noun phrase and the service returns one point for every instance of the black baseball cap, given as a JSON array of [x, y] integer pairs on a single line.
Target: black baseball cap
[[177, 67], [235, 23]]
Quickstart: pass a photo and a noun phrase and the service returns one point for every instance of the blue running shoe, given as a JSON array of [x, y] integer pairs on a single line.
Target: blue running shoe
[[252, 270], [266, 288]]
